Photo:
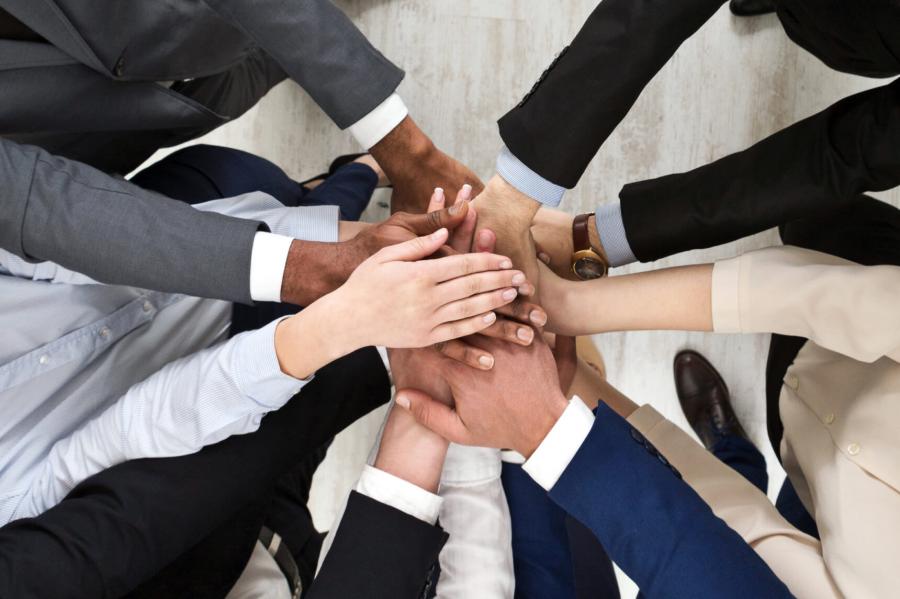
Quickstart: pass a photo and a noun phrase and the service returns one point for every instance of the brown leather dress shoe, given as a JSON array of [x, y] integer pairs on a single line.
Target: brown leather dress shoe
[[751, 8], [704, 398]]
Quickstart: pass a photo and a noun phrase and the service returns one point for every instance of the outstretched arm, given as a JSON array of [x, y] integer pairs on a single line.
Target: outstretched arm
[[840, 305]]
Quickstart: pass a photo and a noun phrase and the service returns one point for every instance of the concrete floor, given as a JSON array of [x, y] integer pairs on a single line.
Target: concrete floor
[[469, 61]]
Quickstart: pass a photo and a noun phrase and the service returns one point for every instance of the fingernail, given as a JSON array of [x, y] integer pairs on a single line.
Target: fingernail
[[544, 257], [509, 294], [518, 279], [489, 318], [538, 317], [466, 192], [402, 401], [525, 334], [439, 233], [486, 361], [438, 194], [506, 264]]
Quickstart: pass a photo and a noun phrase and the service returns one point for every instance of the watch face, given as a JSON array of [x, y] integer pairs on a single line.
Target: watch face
[[587, 269]]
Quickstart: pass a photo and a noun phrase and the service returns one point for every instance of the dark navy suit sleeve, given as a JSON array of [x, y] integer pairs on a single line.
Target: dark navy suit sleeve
[[652, 524]]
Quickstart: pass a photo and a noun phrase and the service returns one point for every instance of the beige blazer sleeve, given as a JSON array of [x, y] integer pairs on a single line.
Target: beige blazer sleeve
[[796, 558], [847, 308]]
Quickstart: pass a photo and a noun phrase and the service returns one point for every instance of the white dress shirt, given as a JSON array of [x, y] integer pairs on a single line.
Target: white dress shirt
[[91, 375], [270, 250], [471, 506]]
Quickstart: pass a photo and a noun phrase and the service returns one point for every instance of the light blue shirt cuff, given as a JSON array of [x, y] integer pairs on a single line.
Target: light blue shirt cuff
[[611, 229], [257, 372], [527, 181]]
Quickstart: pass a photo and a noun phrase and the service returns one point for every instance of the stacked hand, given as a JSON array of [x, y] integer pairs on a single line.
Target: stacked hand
[[513, 405]]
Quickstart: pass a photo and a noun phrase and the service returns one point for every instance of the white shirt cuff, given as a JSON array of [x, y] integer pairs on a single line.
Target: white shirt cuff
[[399, 494], [553, 455], [268, 258], [373, 127]]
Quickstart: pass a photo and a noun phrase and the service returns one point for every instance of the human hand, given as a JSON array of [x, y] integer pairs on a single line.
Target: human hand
[[514, 405], [509, 214], [314, 269], [416, 166], [509, 325], [398, 299]]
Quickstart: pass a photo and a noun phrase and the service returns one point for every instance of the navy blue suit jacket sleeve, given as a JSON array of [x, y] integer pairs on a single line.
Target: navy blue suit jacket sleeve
[[652, 524]]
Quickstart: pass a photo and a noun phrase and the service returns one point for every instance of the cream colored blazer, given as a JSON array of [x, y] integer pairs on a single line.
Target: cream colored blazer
[[840, 405]]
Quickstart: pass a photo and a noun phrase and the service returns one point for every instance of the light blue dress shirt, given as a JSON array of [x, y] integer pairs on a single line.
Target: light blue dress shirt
[[92, 375]]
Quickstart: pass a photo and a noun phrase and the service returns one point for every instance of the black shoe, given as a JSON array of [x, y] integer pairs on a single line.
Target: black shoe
[[704, 399], [751, 8]]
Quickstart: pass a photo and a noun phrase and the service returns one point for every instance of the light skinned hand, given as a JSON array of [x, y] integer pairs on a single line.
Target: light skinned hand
[[509, 324], [398, 299], [509, 214], [513, 405]]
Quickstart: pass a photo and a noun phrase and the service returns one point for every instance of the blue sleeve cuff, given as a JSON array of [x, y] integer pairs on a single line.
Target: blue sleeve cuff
[[611, 230], [527, 181]]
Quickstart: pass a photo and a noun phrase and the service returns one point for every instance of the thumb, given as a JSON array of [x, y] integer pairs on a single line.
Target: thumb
[[433, 415], [414, 249], [450, 218]]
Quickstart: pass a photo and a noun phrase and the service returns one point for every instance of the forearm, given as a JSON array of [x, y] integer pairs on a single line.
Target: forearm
[[411, 452], [817, 165], [314, 269], [60, 211], [667, 299], [405, 147], [319, 48], [193, 402]]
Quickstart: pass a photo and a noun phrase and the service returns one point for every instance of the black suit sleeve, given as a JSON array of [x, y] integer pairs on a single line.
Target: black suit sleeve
[[562, 122], [817, 165], [379, 552]]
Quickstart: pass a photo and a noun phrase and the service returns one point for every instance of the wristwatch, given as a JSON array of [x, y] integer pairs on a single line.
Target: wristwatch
[[587, 262]]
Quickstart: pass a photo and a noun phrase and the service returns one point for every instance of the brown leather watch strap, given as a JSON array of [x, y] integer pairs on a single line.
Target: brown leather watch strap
[[581, 239]]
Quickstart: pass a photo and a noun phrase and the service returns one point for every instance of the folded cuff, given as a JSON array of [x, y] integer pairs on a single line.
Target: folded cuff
[[257, 372], [527, 181], [556, 451], [397, 493]]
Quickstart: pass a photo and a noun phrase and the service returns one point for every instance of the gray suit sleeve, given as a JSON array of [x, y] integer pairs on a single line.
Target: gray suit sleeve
[[319, 48], [117, 233]]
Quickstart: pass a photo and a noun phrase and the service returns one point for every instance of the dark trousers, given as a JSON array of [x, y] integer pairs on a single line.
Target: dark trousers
[[185, 526]]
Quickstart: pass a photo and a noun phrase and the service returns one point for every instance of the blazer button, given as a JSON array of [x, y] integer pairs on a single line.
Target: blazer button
[[638, 436]]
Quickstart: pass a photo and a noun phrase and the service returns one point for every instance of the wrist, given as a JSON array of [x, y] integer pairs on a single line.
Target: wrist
[[411, 452], [501, 197], [553, 408], [312, 338], [405, 142]]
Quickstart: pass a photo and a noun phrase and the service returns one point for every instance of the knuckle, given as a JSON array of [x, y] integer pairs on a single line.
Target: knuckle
[[468, 264], [473, 286], [434, 220]]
